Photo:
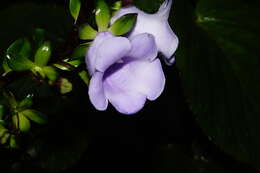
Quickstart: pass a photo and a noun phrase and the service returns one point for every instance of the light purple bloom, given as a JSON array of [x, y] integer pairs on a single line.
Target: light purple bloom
[[155, 24], [125, 72]]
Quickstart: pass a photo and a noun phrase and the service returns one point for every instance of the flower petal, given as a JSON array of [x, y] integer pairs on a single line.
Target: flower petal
[[148, 78], [141, 76], [155, 24], [111, 51], [125, 102], [91, 54], [96, 92], [165, 9], [143, 47]]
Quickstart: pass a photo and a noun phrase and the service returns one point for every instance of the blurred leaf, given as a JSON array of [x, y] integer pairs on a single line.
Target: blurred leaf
[[51, 73], [75, 8], [1, 112], [6, 68], [219, 61], [117, 6], [27, 102], [174, 158], [124, 24], [43, 54], [22, 18], [12, 142], [65, 86], [84, 76], [3, 130], [38, 36], [17, 55], [35, 116], [21, 122], [10, 98], [76, 63], [86, 32], [149, 6], [102, 15], [60, 150], [4, 138], [79, 51]]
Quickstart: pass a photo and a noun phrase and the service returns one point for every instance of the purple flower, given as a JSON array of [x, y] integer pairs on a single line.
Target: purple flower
[[155, 24], [125, 72]]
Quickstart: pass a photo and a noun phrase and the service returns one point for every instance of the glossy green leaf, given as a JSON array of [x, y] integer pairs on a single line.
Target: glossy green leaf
[[18, 55], [124, 24], [62, 67], [86, 32], [35, 116], [219, 62], [20, 47], [21, 122], [26, 102], [43, 54], [75, 6], [102, 15], [51, 73]]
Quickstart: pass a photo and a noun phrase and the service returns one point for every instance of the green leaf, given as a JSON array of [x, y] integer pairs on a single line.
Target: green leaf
[[21, 122], [18, 55], [35, 116], [65, 86], [102, 15], [43, 54], [38, 36], [124, 24], [219, 62], [117, 5], [84, 76], [6, 68], [79, 51], [149, 6], [4, 138], [86, 32], [12, 143], [20, 47], [51, 73], [27, 102], [75, 6], [11, 99], [3, 130]]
